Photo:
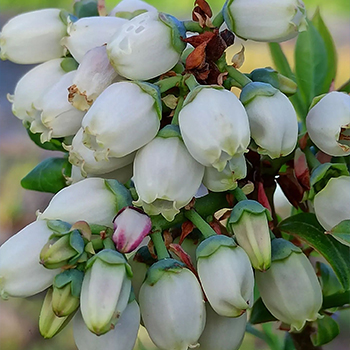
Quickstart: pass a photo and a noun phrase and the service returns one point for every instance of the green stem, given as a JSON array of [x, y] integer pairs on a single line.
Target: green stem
[[159, 245], [239, 194], [218, 20], [200, 223], [180, 102], [168, 83], [192, 26], [240, 78], [311, 158], [191, 82]]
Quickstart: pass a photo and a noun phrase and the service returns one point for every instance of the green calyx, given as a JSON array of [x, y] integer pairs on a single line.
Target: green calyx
[[73, 277], [211, 244], [161, 267], [247, 206], [316, 100], [122, 194], [323, 173], [226, 12], [282, 249], [254, 89], [153, 91], [178, 31], [58, 226], [69, 64], [168, 131], [110, 257], [193, 93]]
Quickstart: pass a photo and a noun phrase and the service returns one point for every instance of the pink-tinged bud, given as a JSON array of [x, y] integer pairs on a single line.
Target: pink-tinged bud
[[131, 226]]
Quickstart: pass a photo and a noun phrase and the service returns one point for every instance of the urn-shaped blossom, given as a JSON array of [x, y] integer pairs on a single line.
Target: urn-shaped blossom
[[131, 226], [21, 274], [328, 123], [226, 275], [105, 291], [272, 119], [123, 119], [147, 46], [33, 37], [297, 294], [249, 222], [172, 305], [222, 333], [332, 203], [25, 96], [121, 337], [166, 177], [93, 200], [265, 20], [89, 32], [93, 75], [214, 126], [55, 116]]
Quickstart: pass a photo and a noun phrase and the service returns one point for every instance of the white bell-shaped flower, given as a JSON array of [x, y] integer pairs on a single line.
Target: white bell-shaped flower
[[220, 181], [172, 306], [105, 290], [297, 294], [328, 124], [214, 126], [123, 119], [332, 203], [272, 119], [33, 37], [83, 157], [25, 96], [88, 200], [54, 116], [89, 32], [147, 46], [121, 337], [226, 275], [166, 177], [265, 20], [21, 274], [94, 75], [222, 333], [132, 6]]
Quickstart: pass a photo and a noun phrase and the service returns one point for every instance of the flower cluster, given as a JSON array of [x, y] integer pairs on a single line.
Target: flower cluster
[[160, 146]]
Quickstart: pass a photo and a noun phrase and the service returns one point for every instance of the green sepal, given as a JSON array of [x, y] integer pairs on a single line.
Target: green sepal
[[97, 229], [110, 257], [329, 281], [69, 64], [282, 249], [193, 93], [122, 194], [249, 206], [170, 130], [85, 8], [52, 145], [157, 270], [254, 89], [72, 276], [327, 330], [76, 241], [66, 16], [178, 30], [211, 244], [323, 173], [229, 20], [108, 243], [129, 15], [153, 91], [316, 100], [89, 248], [341, 232], [58, 226]]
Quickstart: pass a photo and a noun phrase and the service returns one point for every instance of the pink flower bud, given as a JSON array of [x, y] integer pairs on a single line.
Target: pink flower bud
[[131, 226]]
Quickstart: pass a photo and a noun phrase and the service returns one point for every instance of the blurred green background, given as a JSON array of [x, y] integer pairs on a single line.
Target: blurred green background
[[18, 318]]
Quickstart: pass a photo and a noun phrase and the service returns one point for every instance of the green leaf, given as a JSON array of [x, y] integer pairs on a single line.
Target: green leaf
[[336, 300], [306, 227], [260, 313], [319, 24], [283, 67], [341, 232], [311, 63], [329, 281], [327, 330], [52, 145], [288, 342], [345, 87], [48, 176]]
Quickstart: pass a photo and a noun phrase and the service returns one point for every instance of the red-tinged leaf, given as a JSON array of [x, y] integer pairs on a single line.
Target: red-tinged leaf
[[196, 58], [182, 255], [262, 198], [197, 40], [186, 228], [301, 169], [291, 188], [216, 227]]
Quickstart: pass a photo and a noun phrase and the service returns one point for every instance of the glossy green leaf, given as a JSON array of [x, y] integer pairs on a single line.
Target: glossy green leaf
[[306, 227], [327, 330], [260, 313], [329, 281], [311, 63], [52, 145], [341, 232], [283, 67], [345, 87], [336, 300], [48, 176], [321, 27]]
